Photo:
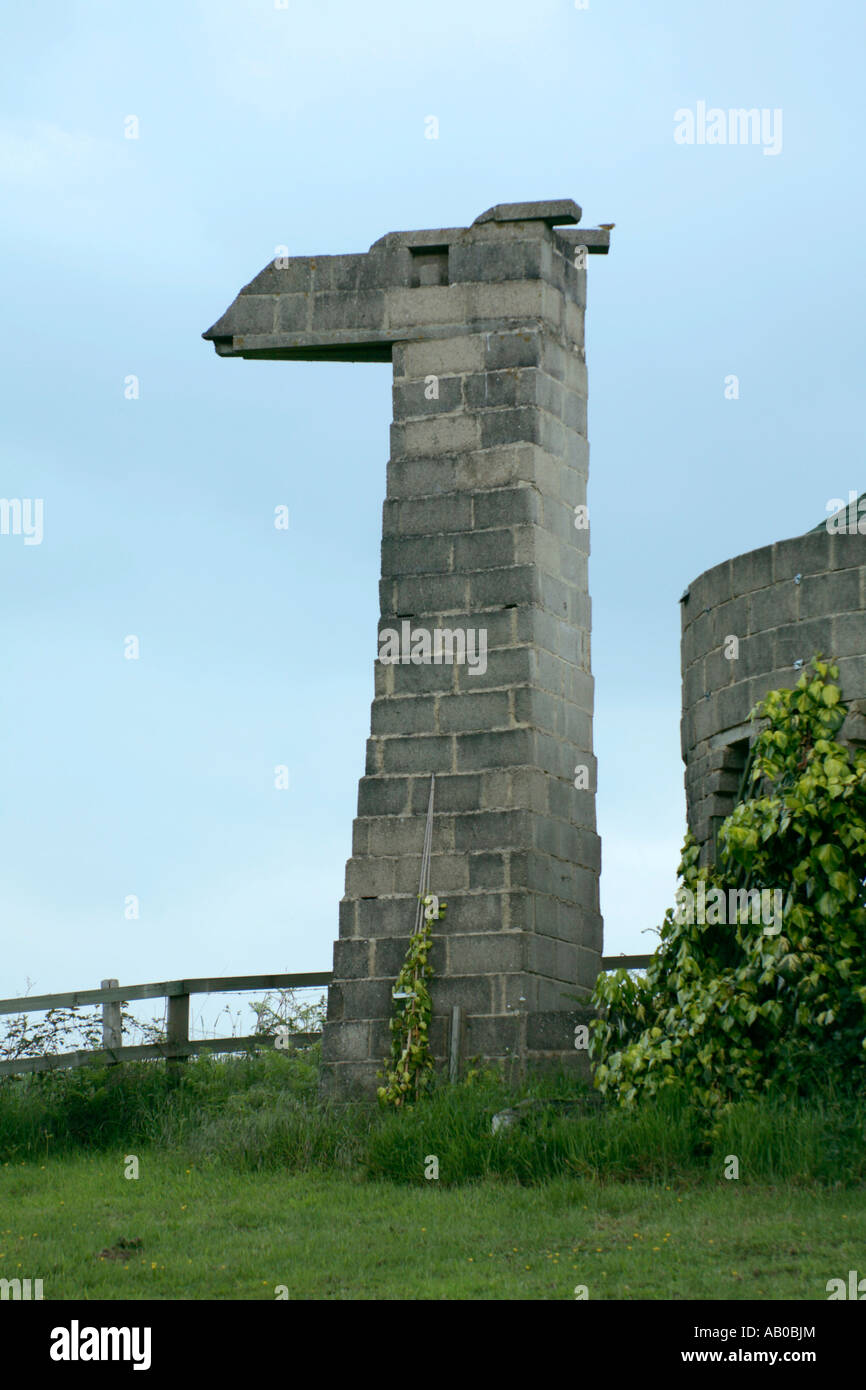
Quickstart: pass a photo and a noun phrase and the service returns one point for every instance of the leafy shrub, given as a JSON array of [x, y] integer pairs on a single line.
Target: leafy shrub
[[741, 1009]]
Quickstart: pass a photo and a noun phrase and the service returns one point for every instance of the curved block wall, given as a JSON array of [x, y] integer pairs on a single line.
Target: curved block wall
[[783, 602]]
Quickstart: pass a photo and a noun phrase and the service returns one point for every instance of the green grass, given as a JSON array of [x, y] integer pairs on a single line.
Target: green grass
[[217, 1233], [248, 1181], [263, 1113]]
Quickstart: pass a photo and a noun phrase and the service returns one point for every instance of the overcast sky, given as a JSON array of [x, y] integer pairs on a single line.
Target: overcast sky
[[303, 126]]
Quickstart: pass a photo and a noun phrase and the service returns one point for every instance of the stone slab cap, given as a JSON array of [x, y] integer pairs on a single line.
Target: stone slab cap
[[554, 212]]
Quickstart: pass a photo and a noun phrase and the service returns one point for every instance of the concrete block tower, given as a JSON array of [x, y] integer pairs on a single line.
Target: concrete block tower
[[783, 603], [482, 672]]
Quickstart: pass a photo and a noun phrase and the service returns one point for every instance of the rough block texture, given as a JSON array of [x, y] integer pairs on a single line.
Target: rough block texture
[[483, 675], [782, 604]]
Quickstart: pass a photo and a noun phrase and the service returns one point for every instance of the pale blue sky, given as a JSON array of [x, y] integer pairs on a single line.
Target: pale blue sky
[[304, 127]]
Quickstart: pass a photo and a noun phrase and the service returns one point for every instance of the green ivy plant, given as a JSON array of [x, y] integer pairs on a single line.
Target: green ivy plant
[[731, 1010], [412, 1070]]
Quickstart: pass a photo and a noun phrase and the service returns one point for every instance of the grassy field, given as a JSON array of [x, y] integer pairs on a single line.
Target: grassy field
[[218, 1234], [248, 1181]]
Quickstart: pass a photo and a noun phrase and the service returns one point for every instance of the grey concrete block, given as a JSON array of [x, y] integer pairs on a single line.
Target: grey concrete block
[[369, 877], [348, 917], [496, 789], [772, 608], [449, 873], [490, 261], [512, 387], [416, 399], [568, 802], [422, 477], [390, 916], [352, 959], [460, 792], [808, 554], [752, 571], [710, 589], [488, 869], [838, 592], [341, 309], [294, 276], [474, 993], [570, 563], [800, 641], [485, 710], [589, 849], [512, 348], [574, 410], [257, 313], [404, 716], [496, 588], [492, 1037], [484, 550], [719, 671], [367, 999], [337, 272], [852, 677], [397, 835], [334, 1004], [528, 789], [293, 312], [495, 830], [500, 626], [849, 635], [476, 912], [389, 954], [349, 1042], [418, 754], [847, 550], [505, 748], [515, 300], [424, 679], [756, 655], [505, 466], [436, 435], [541, 955], [554, 1030], [373, 764], [422, 595], [730, 618], [405, 555], [487, 953], [383, 796], [694, 683], [498, 427], [441, 356], [426, 516], [509, 506], [382, 269]]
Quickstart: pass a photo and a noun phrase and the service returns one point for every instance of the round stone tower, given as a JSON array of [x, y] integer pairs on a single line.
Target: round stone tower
[[750, 625]]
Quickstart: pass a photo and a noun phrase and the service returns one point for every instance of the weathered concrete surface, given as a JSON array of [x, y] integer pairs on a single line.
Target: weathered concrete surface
[[782, 603], [488, 466]]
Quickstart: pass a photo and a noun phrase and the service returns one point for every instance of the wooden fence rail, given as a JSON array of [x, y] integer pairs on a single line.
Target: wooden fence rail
[[178, 1045]]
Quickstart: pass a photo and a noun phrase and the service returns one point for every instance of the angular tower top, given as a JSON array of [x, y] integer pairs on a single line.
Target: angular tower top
[[414, 285]]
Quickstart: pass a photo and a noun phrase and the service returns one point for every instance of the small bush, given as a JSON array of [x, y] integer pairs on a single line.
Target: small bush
[[736, 1010]]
